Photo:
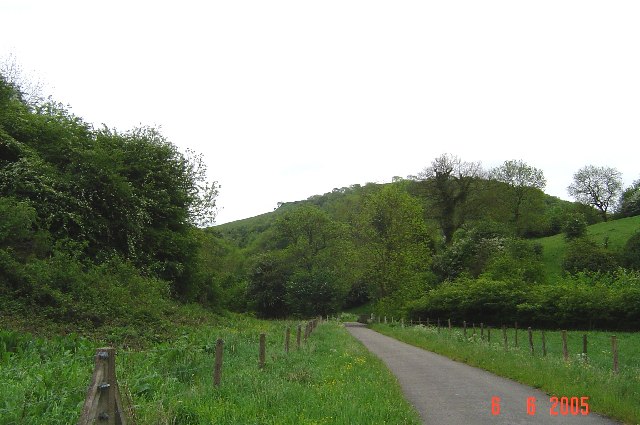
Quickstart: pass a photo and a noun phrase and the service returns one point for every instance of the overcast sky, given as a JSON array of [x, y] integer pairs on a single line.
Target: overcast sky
[[287, 99]]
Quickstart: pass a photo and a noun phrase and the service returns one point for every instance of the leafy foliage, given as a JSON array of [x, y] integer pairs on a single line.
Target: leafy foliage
[[631, 252], [78, 203], [583, 254]]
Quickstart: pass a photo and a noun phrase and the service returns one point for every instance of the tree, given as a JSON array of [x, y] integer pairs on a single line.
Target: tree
[[521, 178], [395, 245], [630, 200], [29, 89], [597, 186], [449, 183]]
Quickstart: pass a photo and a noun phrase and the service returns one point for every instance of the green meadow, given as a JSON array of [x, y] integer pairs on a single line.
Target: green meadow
[[612, 234], [613, 395], [332, 379]]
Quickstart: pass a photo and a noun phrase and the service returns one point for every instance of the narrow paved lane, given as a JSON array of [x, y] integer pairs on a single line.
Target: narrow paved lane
[[446, 392]]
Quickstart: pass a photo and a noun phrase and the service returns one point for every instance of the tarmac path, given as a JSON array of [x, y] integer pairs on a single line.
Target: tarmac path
[[446, 392]]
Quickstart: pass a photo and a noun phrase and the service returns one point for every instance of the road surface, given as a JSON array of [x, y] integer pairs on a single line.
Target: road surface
[[446, 392]]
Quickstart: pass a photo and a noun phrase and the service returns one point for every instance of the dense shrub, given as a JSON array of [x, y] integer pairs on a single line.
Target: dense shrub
[[583, 254], [584, 300], [574, 227], [631, 252]]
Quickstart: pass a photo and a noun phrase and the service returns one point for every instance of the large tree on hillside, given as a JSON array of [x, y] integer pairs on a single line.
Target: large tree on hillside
[[521, 178], [630, 200], [597, 186], [449, 182], [395, 245]]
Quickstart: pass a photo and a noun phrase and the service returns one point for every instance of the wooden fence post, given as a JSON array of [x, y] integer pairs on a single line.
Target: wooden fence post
[[516, 337], [530, 339], [481, 331], [428, 324], [217, 369], [103, 403], [298, 336], [262, 350], [488, 333], [449, 323], [544, 345], [504, 336], [565, 351], [287, 337], [438, 324], [614, 350], [464, 327], [584, 347]]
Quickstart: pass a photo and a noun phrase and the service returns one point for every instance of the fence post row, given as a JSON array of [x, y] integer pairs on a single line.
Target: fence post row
[[103, 403]]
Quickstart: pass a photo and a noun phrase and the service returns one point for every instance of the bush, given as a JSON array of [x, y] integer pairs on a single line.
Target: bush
[[583, 254], [310, 294], [631, 252], [574, 227]]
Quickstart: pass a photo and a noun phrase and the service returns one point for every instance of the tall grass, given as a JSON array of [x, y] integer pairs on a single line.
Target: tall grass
[[610, 394], [332, 379]]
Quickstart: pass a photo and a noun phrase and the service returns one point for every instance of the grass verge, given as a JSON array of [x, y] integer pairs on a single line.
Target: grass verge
[[332, 379], [612, 395]]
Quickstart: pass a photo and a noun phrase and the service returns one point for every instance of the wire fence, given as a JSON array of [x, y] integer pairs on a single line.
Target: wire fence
[[619, 352], [60, 384]]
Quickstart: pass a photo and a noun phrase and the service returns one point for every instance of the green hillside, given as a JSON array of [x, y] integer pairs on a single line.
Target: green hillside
[[611, 234]]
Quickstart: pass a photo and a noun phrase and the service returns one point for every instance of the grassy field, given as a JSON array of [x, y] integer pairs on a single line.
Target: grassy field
[[610, 394], [612, 233], [332, 379]]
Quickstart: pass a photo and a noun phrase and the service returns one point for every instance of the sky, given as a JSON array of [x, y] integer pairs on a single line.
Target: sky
[[289, 99]]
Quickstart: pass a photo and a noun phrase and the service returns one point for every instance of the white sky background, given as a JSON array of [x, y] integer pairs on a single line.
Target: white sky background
[[287, 99]]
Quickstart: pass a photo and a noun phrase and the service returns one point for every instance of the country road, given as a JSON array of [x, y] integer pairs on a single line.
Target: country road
[[446, 392]]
